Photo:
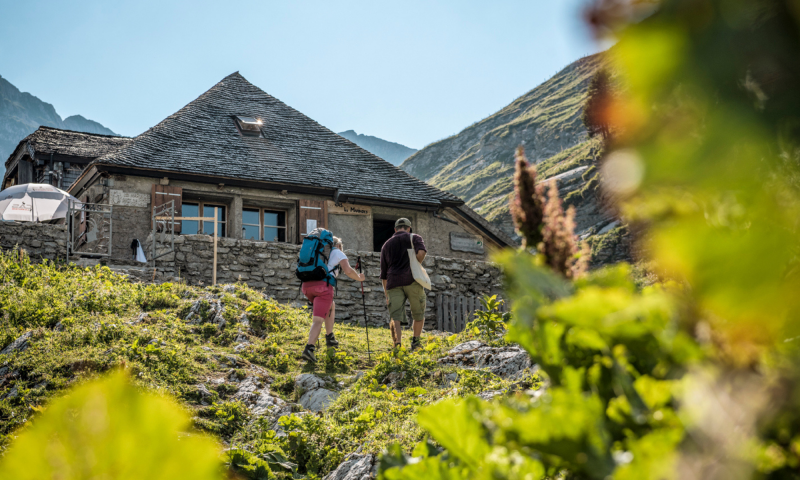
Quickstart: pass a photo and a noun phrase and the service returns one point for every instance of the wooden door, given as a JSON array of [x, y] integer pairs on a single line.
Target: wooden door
[[311, 214], [162, 194]]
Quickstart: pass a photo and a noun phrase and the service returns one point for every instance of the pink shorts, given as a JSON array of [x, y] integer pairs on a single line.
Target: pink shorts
[[321, 295]]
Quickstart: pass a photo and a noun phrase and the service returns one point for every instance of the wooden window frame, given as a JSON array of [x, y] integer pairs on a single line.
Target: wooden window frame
[[261, 225], [201, 206]]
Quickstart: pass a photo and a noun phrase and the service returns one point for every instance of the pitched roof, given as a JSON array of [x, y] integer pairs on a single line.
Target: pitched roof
[[49, 140], [484, 224], [202, 138]]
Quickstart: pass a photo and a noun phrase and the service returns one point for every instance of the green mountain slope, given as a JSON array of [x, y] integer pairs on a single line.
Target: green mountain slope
[[477, 164]]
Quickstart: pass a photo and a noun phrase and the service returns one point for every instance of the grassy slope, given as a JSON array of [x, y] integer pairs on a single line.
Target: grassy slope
[[477, 164], [87, 322]]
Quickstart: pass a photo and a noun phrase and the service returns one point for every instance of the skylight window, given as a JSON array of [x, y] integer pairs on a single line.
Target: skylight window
[[249, 126]]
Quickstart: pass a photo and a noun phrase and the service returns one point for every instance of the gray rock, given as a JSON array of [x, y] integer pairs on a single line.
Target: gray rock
[[257, 399], [308, 381], [13, 393], [205, 394], [354, 467], [490, 394], [318, 399], [19, 345], [508, 362]]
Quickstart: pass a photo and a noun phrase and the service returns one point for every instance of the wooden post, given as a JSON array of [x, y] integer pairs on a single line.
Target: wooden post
[[216, 225], [453, 314], [439, 312]]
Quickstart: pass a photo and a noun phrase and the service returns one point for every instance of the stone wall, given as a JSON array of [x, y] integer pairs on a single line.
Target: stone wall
[[270, 267], [39, 240]]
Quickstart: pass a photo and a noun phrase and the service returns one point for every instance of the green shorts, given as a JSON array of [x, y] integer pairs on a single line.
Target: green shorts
[[397, 302]]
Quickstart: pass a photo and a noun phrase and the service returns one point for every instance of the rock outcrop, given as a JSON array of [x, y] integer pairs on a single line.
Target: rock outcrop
[[355, 467], [509, 362], [316, 397]]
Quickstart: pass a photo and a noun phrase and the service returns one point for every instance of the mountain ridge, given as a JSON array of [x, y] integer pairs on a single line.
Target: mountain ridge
[[477, 164], [393, 152], [21, 113]]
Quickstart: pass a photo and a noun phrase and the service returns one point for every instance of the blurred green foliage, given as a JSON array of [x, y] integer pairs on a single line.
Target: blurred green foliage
[[111, 429], [696, 376]]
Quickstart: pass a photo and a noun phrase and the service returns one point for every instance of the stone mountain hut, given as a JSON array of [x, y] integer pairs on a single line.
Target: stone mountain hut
[[269, 172]]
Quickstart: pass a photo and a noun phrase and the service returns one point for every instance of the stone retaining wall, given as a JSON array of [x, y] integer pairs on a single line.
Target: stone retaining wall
[[39, 240], [270, 267]]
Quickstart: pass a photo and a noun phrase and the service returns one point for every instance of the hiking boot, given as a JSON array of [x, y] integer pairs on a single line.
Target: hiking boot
[[330, 341], [415, 344], [308, 354]]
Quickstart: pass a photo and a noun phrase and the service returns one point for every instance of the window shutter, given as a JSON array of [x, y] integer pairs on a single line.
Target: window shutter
[[312, 210], [162, 194]]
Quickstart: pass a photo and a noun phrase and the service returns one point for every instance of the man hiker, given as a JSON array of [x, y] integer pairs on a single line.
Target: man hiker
[[399, 283]]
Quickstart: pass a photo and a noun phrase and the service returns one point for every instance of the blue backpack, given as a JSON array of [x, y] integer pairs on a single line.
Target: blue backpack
[[312, 263]]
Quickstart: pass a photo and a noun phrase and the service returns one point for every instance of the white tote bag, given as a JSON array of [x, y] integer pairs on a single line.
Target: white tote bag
[[419, 273]]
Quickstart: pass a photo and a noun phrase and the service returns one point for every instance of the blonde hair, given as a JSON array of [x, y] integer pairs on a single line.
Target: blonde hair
[[337, 243]]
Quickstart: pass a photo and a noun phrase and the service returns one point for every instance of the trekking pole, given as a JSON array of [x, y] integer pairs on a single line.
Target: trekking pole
[[364, 303]]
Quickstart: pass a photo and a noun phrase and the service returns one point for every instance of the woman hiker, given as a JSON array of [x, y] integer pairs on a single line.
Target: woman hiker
[[320, 294]]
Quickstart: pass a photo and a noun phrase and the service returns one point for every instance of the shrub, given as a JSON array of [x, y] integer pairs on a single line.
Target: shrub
[[268, 316], [157, 297], [489, 323]]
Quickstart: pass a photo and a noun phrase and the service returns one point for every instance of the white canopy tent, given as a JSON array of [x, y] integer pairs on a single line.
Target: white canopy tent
[[35, 202]]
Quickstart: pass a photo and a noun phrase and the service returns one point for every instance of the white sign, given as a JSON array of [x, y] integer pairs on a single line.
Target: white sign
[[465, 242], [311, 224], [129, 199]]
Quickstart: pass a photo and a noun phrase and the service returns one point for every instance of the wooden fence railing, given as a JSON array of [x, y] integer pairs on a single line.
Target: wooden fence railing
[[453, 312]]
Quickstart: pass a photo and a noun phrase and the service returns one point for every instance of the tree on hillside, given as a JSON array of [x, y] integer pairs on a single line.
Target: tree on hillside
[[600, 98]]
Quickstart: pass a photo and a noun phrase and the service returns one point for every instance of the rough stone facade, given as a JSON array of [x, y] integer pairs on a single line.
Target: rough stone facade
[[39, 240], [270, 266]]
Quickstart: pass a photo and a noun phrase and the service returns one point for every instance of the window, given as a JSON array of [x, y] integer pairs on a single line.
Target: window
[[263, 224], [202, 209], [249, 126]]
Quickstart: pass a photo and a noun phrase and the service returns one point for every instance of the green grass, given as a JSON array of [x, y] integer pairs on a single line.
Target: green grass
[[87, 322]]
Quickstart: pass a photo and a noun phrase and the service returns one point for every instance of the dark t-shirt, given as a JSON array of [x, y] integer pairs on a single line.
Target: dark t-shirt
[[395, 266]]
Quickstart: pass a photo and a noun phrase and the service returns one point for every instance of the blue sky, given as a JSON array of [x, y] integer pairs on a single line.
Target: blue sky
[[408, 71]]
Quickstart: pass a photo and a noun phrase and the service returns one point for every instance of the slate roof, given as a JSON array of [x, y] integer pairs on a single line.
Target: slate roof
[[49, 140], [202, 138]]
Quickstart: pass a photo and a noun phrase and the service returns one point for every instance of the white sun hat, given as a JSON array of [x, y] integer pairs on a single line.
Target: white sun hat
[[35, 202]]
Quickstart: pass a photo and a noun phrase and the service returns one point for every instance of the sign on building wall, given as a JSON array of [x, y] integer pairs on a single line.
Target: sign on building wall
[[337, 208], [129, 199], [464, 242]]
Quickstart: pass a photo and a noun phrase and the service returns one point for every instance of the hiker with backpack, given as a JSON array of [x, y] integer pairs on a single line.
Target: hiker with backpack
[[320, 260], [403, 278]]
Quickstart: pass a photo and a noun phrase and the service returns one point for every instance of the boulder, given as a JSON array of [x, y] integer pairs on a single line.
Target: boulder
[[315, 396], [258, 400], [19, 345], [318, 399], [308, 381], [355, 467], [507, 362]]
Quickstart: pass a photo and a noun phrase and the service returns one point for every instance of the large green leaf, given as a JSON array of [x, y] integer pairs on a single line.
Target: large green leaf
[[112, 430]]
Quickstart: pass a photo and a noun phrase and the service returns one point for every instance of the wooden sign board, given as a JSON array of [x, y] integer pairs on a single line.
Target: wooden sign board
[[335, 208], [464, 242]]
